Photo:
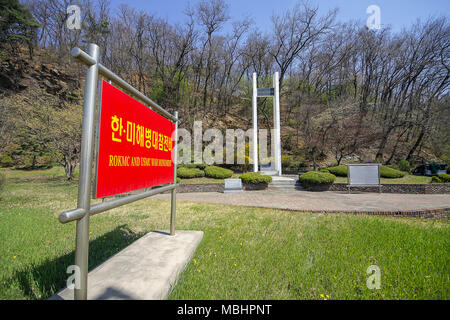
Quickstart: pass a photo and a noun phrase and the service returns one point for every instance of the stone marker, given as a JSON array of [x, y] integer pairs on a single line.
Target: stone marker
[[233, 185]]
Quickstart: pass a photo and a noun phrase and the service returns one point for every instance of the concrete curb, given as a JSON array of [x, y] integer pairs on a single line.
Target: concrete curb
[[145, 270]]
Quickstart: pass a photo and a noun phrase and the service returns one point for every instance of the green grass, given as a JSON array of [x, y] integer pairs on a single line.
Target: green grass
[[268, 254], [407, 179], [246, 253], [55, 172]]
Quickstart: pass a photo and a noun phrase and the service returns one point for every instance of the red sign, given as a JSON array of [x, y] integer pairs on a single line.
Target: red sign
[[135, 146]]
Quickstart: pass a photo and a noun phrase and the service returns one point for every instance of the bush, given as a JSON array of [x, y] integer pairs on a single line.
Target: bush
[[286, 161], [442, 178], [2, 180], [314, 178], [178, 180], [6, 160], [255, 178], [445, 178], [340, 171], [435, 179], [200, 166], [218, 172], [187, 173], [446, 159], [394, 166], [404, 165], [386, 172]]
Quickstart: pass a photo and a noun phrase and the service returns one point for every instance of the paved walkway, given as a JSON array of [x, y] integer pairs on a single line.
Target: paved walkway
[[321, 201]]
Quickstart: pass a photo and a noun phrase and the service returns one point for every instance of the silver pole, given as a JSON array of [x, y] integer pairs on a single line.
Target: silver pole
[[84, 185], [82, 56], [78, 213], [173, 208], [276, 120], [255, 124]]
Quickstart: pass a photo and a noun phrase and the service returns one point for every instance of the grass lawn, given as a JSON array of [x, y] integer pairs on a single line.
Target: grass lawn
[[407, 179], [246, 253]]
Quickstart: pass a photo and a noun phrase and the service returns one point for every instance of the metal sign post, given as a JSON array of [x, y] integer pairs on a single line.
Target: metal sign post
[[267, 92], [84, 209], [84, 185]]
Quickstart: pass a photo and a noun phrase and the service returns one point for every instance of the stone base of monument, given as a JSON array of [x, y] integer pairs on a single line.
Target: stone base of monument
[[284, 183], [270, 173], [145, 270]]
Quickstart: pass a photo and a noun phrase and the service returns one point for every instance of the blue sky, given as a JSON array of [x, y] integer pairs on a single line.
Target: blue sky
[[396, 13]]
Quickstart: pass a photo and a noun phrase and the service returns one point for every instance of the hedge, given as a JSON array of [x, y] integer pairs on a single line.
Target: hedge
[[218, 172], [314, 178], [385, 172], [200, 166], [187, 173], [340, 171], [404, 165], [255, 178], [442, 178]]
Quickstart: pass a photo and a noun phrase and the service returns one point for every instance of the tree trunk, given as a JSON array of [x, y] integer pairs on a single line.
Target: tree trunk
[[414, 147]]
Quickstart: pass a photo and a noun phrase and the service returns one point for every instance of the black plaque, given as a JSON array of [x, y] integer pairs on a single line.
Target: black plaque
[[266, 92]]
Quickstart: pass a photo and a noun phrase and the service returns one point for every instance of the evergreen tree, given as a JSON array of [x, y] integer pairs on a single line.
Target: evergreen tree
[[17, 25]]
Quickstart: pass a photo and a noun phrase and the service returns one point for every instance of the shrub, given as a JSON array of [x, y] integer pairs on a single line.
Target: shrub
[[255, 178], [187, 173], [394, 166], [6, 160], [435, 179], [178, 180], [314, 178], [404, 165], [445, 178], [200, 166], [218, 172], [442, 178], [386, 172], [340, 171], [286, 161], [2, 180], [446, 159]]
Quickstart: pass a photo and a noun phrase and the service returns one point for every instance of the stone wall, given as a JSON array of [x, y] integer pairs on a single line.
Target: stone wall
[[205, 187], [432, 188], [387, 188], [215, 187]]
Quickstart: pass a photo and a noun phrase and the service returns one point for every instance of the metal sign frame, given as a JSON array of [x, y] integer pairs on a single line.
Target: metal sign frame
[[84, 209]]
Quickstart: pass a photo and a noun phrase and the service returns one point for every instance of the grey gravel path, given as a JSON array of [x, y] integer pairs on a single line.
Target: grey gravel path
[[318, 201]]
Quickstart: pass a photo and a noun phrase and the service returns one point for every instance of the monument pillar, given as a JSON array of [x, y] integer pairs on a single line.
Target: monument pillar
[[276, 122], [276, 139], [255, 124]]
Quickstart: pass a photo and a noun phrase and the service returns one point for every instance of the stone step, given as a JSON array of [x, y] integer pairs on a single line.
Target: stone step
[[283, 182], [291, 187], [269, 173]]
